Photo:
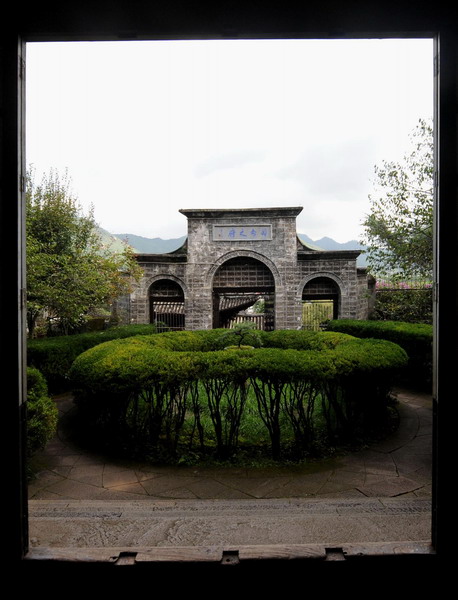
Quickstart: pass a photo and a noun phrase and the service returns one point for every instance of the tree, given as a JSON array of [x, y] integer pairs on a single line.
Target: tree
[[245, 331], [399, 228], [69, 271]]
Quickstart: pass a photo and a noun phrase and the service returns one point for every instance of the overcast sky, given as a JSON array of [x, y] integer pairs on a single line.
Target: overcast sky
[[147, 128]]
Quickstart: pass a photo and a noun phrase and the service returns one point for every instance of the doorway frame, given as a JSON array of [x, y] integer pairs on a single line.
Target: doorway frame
[[434, 25], [217, 291]]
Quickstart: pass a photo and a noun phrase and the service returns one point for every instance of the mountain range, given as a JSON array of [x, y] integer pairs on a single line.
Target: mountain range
[[327, 243], [144, 245]]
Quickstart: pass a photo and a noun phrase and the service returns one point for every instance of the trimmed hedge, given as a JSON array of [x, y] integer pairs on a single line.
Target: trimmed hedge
[[147, 390], [42, 412], [54, 356], [415, 338]]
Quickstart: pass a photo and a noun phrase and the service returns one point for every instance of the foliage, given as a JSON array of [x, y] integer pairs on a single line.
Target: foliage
[[41, 412], [399, 228], [69, 271], [415, 338], [302, 339], [244, 332], [223, 376], [54, 356], [401, 302], [259, 307], [157, 392]]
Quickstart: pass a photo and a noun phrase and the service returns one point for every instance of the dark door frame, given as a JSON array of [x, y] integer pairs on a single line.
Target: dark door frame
[[95, 21]]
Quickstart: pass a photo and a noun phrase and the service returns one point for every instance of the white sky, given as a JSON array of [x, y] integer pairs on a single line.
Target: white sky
[[146, 128]]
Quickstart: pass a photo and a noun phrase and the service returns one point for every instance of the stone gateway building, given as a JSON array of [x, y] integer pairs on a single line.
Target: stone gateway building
[[245, 264]]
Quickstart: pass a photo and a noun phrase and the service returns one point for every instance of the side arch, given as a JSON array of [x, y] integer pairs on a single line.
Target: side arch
[[321, 297], [317, 275], [166, 299], [166, 276]]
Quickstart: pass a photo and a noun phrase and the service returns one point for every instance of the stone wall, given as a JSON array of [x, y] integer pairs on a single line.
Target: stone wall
[[267, 235], [206, 253], [366, 285]]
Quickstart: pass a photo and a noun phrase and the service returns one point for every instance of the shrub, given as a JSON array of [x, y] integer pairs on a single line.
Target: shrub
[[289, 381], [223, 376], [245, 334], [41, 412], [301, 339], [142, 389], [54, 356], [415, 338], [404, 304]]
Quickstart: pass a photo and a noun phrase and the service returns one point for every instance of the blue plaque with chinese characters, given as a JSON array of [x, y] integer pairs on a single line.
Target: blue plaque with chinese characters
[[242, 233]]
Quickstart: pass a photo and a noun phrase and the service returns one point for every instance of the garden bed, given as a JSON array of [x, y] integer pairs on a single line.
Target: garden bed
[[175, 396]]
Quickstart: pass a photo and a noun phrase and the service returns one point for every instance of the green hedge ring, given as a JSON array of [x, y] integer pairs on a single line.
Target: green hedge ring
[[415, 338], [146, 387]]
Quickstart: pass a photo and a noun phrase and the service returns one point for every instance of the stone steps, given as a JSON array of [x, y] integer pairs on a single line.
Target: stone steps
[[226, 525]]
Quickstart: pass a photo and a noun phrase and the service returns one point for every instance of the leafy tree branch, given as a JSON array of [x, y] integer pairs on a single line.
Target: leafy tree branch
[[399, 228], [69, 270]]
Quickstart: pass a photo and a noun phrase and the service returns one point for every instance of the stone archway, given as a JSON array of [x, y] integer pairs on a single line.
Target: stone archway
[[167, 305], [239, 284], [320, 301]]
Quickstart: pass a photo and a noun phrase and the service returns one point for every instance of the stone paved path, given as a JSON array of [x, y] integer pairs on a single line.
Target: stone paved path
[[398, 466], [379, 497]]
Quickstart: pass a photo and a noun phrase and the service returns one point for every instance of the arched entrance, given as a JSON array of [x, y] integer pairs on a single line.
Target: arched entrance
[[244, 290], [320, 302], [166, 301]]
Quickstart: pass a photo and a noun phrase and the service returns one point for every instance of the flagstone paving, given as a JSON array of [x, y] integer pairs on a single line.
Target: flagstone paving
[[397, 466]]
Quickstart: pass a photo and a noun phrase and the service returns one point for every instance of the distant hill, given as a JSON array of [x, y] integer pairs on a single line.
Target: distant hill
[[144, 245], [329, 244], [326, 243], [310, 243], [109, 240]]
